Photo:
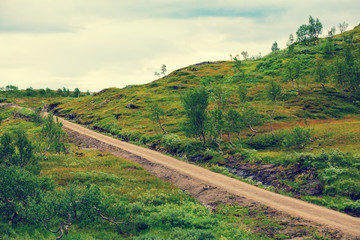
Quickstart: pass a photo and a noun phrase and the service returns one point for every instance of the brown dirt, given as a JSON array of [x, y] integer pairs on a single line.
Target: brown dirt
[[211, 189]]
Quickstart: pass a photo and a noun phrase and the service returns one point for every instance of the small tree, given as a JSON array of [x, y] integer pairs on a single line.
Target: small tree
[[352, 70], [156, 115], [298, 137], [273, 92], [48, 92], [42, 92], [328, 48], [220, 97], [274, 47], [24, 155], [195, 103], [242, 92], [292, 71], [163, 69], [30, 92], [17, 188], [7, 148], [60, 92], [303, 34], [238, 66], [54, 138], [216, 125], [315, 28], [250, 117], [342, 27], [245, 55], [340, 72], [331, 32], [76, 92], [234, 123], [321, 71], [36, 116], [63, 207], [291, 40]]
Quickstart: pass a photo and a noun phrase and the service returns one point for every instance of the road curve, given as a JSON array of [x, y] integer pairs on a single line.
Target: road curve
[[295, 207]]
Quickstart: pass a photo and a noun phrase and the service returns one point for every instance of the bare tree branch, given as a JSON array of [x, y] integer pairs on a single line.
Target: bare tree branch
[[107, 219]]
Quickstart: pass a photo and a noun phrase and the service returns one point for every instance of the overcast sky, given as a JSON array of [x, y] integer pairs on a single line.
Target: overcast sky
[[96, 44]]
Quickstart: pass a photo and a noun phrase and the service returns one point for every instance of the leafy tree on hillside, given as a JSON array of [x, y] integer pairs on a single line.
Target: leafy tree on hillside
[[352, 70], [298, 137], [48, 92], [292, 71], [242, 93], [42, 92], [315, 28], [250, 117], [60, 92], [216, 125], [18, 188], [156, 115], [309, 32], [321, 71], [328, 48], [234, 123], [195, 103], [245, 55], [7, 149], [76, 92], [291, 40], [342, 27], [163, 71], [53, 137], [303, 34], [11, 88], [30, 92], [274, 47], [238, 66], [273, 92], [220, 97], [331, 32], [25, 150], [16, 149], [63, 207], [340, 72]]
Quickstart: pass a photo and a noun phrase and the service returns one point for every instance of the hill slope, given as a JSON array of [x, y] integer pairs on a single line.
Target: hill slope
[[326, 104]]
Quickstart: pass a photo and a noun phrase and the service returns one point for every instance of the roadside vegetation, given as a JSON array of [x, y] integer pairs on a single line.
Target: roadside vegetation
[[288, 121], [56, 190]]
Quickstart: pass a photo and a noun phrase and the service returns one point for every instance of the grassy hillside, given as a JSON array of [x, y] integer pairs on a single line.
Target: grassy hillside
[[147, 207], [331, 112]]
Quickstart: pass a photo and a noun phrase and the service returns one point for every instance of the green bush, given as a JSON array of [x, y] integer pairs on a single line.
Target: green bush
[[194, 234], [353, 207], [171, 142], [266, 140], [299, 137], [347, 187]]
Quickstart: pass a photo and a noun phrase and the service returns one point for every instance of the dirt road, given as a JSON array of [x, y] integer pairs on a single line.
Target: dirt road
[[324, 216]]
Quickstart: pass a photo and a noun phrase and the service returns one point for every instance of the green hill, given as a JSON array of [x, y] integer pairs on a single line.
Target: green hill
[[320, 97]]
